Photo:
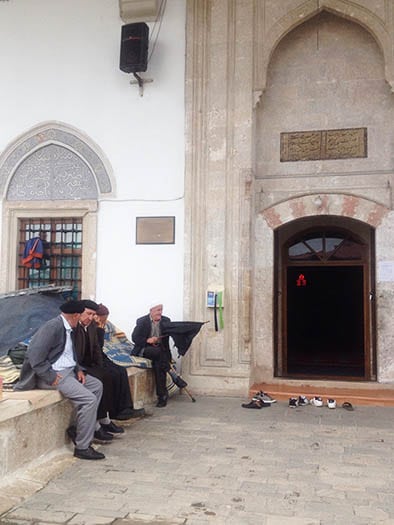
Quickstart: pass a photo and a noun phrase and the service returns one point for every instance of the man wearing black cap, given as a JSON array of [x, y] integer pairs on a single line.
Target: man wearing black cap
[[51, 363]]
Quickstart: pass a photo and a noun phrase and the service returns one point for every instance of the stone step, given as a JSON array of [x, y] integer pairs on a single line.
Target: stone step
[[357, 394]]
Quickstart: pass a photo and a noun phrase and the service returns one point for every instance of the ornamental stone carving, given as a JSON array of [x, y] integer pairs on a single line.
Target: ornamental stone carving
[[52, 163], [52, 173]]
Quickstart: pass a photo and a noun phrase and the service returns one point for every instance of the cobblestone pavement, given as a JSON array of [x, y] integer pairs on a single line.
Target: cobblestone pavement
[[215, 462]]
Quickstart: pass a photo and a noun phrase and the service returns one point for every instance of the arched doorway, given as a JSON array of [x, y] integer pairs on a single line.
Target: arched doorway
[[325, 298]]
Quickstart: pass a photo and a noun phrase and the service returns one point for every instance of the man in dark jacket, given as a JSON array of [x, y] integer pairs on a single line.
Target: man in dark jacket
[[116, 401], [91, 360], [151, 344], [51, 363]]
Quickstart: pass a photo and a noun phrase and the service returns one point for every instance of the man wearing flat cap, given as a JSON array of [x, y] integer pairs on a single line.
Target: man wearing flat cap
[[151, 344], [51, 363]]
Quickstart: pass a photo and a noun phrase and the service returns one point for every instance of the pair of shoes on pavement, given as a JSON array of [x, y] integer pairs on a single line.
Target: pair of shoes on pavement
[[256, 403], [299, 401], [260, 400], [130, 413], [318, 402], [264, 397]]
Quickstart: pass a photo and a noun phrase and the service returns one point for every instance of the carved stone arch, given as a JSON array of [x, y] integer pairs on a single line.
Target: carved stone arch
[[297, 16], [345, 205], [267, 224], [36, 154]]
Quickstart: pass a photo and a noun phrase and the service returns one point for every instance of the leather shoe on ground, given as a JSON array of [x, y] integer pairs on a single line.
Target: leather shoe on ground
[[72, 433], [162, 402], [112, 428], [130, 413], [103, 437], [88, 453]]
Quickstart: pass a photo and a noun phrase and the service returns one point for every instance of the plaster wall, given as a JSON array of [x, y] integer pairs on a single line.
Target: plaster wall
[[61, 65]]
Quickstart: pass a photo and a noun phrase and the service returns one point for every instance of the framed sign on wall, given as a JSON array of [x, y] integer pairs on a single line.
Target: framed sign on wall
[[155, 230]]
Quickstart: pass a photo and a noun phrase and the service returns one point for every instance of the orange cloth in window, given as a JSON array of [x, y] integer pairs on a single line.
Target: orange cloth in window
[[33, 253]]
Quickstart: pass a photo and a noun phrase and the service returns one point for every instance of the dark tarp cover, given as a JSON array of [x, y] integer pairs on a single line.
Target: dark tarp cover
[[22, 315]]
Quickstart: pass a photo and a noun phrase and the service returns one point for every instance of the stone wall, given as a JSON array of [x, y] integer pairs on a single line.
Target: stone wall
[[256, 69]]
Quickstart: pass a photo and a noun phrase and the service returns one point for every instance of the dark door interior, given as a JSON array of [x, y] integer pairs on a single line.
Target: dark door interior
[[325, 321]]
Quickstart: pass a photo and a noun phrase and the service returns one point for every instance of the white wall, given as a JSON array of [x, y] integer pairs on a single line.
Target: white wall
[[59, 61]]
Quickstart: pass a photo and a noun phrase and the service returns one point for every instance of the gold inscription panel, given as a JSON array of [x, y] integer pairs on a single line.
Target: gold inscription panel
[[323, 144]]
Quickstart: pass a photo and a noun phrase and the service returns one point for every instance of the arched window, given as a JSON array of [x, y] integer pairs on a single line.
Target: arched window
[[324, 246]]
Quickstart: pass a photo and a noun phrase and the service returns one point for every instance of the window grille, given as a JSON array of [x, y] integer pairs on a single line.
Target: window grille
[[61, 264]]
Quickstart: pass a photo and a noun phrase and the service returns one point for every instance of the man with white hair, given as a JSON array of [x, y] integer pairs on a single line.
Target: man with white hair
[[151, 344]]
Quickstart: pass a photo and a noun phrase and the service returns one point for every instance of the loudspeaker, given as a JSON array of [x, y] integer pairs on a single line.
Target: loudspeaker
[[134, 47]]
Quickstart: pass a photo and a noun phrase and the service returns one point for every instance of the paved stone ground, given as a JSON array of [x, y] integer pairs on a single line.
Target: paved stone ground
[[215, 462]]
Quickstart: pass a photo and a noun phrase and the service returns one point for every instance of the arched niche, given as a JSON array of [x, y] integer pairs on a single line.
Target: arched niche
[[51, 172], [53, 162], [349, 10]]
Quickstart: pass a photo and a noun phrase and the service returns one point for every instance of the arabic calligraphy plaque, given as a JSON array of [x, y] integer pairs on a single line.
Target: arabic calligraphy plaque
[[328, 144]]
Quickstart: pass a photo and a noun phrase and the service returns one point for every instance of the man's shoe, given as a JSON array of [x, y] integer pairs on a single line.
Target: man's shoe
[[102, 437], [331, 403], [255, 403], [130, 413], [293, 402], [316, 401], [302, 401], [112, 428], [266, 398], [72, 433], [88, 453], [162, 402]]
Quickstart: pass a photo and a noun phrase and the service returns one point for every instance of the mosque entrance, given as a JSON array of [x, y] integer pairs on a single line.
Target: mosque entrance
[[325, 298]]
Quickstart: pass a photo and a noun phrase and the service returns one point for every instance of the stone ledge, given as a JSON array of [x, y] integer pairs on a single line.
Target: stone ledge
[[33, 422]]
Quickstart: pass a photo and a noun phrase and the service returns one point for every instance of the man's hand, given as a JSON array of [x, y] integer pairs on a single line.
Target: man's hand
[[58, 378], [153, 341], [81, 377]]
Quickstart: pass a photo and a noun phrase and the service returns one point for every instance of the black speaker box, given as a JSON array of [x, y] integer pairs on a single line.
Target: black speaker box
[[134, 47]]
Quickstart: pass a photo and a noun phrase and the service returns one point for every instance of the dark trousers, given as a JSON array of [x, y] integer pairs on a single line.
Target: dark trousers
[[107, 400], [161, 365], [121, 397]]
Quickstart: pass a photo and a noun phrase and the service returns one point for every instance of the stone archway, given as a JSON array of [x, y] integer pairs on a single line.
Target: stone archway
[[267, 222]]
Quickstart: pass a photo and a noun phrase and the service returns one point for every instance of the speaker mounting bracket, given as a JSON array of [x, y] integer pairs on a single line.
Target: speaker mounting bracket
[[140, 81]]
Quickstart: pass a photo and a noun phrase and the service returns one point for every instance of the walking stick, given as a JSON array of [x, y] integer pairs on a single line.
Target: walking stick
[[180, 382]]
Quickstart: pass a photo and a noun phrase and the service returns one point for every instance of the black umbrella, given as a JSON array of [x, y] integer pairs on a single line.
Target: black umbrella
[[182, 333]]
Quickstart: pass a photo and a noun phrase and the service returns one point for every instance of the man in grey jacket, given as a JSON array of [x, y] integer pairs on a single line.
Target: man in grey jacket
[[51, 363]]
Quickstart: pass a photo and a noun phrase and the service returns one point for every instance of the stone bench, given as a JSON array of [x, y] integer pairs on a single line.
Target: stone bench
[[33, 422]]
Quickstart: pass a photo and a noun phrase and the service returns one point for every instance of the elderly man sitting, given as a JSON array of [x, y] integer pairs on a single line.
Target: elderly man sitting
[[150, 343]]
